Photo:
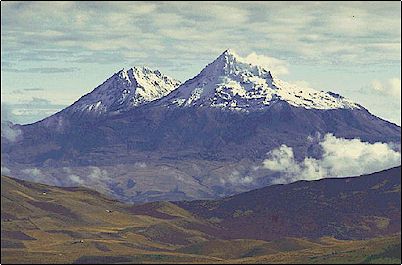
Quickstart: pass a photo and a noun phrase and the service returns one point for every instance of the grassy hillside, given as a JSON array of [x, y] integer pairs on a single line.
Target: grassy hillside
[[345, 208], [47, 224], [42, 223]]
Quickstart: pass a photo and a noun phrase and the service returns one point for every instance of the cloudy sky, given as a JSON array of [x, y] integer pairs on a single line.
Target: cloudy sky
[[53, 53]]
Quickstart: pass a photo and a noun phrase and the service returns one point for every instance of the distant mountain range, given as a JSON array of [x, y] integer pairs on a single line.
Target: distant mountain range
[[231, 111], [303, 221]]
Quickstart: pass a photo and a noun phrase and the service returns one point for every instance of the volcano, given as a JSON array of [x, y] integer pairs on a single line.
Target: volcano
[[231, 111]]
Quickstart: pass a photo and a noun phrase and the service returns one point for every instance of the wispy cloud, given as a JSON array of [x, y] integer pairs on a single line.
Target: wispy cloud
[[303, 27], [43, 70], [81, 43], [31, 110], [8, 130], [391, 87], [33, 89], [5, 170]]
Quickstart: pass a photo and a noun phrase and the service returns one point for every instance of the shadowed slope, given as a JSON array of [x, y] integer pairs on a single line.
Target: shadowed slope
[[346, 208]]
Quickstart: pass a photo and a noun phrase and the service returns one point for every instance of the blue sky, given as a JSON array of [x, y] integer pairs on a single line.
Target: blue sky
[[53, 53]]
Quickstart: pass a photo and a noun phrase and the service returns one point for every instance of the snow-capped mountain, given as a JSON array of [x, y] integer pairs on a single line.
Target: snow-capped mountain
[[230, 82], [125, 90], [231, 113]]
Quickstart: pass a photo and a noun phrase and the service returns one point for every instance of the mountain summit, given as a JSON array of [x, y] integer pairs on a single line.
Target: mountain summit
[[125, 90], [190, 143], [230, 82]]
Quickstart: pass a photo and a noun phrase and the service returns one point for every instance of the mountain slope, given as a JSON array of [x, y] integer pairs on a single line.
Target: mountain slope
[[240, 113], [42, 223], [347, 208], [229, 82], [123, 91]]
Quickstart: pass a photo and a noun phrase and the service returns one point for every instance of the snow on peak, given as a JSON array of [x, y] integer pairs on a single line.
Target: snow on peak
[[230, 82], [126, 89], [229, 62]]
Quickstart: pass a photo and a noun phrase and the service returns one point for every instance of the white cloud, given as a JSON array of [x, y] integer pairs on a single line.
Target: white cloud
[[32, 171], [277, 66], [75, 179], [236, 178], [341, 157], [9, 132], [28, 111], [306, 29], [36, 175], [44, 176], [140, 165], [5, 170], [98, 174], [72, 178], [391, 87], [90, 176]]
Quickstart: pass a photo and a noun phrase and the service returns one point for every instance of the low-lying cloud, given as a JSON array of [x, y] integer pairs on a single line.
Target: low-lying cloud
[[5, 170], [71, 179], [36, 175], [10, 132], [89, 176], [98, 174], [140, 165], [67, 177], [28, 111], [236, 178], [340, 158], [75, 179]]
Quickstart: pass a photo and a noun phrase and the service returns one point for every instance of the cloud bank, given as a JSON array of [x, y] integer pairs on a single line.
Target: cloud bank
[[8, 130], [237, 178], [310, 30], [36, 175], [28, 111], [68, 177], [341, 158]]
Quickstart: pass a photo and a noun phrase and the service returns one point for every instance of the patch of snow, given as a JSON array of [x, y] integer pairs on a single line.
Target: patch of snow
[[231, 83], [125, 90]]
